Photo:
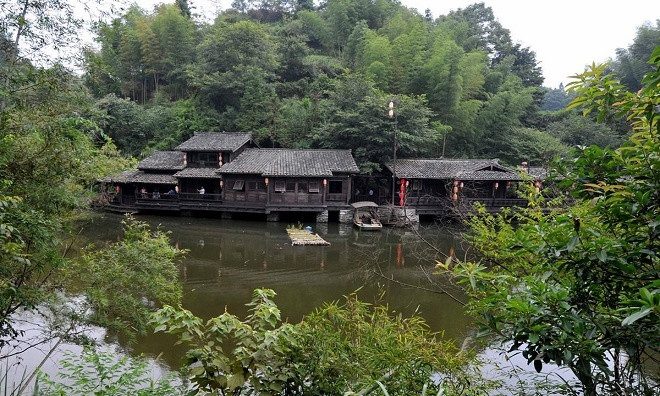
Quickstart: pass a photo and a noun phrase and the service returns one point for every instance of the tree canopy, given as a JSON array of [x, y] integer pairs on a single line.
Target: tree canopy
[[299, 75]]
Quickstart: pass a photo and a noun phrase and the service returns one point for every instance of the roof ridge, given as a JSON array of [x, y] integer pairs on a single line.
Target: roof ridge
[[292, 149], [223, 132], [448, 159]]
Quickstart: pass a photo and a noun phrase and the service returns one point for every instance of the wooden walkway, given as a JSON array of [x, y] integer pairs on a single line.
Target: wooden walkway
[[304, 237]]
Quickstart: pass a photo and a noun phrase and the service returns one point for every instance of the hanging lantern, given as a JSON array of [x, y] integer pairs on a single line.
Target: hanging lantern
[[222, 183], [497, 185], [266, 181], [185, 160], [325, 182], [461, 185], [117, 189]]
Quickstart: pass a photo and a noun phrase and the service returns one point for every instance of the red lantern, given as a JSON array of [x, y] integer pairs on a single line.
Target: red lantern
[[402, 192]]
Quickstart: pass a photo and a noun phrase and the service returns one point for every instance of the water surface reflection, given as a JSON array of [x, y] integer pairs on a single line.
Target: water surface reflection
[[227, 259]]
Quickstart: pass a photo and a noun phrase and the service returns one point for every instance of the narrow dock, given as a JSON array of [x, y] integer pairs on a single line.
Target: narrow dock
[[303, 237]]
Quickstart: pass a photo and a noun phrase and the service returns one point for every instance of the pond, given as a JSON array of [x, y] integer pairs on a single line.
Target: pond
[[228, 259]]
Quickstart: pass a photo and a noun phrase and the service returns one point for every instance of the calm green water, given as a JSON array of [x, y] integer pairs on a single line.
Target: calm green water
[[227, 259]]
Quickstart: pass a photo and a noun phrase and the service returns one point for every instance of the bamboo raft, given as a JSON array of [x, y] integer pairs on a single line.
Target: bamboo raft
[[304, 237]]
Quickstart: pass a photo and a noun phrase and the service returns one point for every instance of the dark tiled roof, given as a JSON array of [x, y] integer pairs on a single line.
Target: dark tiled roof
[[537, 172], [291, 162], [198, 173], [463, 169], [163, 160], [136, 176], [215, 141]]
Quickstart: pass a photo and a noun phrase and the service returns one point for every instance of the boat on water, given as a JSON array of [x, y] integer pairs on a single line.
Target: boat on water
[[366, 216]]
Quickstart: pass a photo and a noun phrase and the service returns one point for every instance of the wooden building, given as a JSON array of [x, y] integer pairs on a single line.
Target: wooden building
[[152, 184], [219, 172], [438, 186], [284, 180], [204, 153]]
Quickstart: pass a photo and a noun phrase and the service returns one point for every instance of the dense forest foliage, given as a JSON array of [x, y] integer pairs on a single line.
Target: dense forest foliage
[[300, 75]]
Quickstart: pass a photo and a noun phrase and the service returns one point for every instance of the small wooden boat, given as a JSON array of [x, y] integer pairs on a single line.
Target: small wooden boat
[[366, 216]]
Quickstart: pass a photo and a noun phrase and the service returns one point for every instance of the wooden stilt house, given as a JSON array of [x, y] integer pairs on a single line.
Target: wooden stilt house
[[434, 186], [280, 180]]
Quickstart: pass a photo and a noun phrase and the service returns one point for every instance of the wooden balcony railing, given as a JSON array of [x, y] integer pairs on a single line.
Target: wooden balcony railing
[[199, 197], [340, 197], [292, 198]]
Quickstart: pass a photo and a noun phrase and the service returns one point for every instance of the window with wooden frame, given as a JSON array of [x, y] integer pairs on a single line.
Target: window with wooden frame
[[280, 186], [261, 186], [251, 186], [302, 187], [336, 187], [290, 186], [238, 185], [416, 184], [314, 187]]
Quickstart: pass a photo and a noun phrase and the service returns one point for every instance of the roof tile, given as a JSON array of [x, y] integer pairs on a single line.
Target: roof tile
[[215, 141], [292, 162], [163, 160], [136, 176], [198, 173], [463, 169]]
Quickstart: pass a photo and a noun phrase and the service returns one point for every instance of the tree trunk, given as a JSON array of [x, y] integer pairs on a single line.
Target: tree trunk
[[20, 30], [582, 371]]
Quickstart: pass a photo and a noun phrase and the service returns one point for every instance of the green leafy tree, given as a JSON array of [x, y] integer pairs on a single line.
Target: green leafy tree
[[631, 63], [555, 99], [351, 345], [229, 56], [341, 346], [184, 7], [356, 118], [121, 121], [578, 286], [123, 281], [48, 161], [260, 358], [174, 34], [575, 130], [102, 373]]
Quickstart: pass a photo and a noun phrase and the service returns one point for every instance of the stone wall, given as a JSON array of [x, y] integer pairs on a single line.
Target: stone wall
[[346, 216], [322, 217], [398, 216]]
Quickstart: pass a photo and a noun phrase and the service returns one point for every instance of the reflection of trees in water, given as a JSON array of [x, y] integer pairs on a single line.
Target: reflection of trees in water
[[407, 259]]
